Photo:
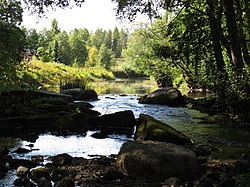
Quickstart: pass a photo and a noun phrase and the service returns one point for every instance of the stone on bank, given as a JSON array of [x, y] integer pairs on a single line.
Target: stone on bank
[[157, 161]]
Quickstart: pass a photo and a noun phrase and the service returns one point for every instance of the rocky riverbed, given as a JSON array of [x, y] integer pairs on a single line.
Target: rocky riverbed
[[142, 162]]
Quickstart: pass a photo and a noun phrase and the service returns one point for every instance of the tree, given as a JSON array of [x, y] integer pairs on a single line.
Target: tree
[[98, 38], [108, 39], [11, 12], [31, 38], [11, 44], [116, 47], [78, 47], [123, 39], [138, 54], [47, 43], [92, 57], [224, 32], [11, 41], [54, 28], [105, 57], [64, 48]]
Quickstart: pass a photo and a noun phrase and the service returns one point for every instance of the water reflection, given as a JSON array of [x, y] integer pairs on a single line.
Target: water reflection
[[76, 146], [125, 86]]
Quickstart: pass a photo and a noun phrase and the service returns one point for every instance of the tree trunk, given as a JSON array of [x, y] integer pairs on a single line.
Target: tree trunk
[[215, 37], [223, 39], [242, 34], [217, 47], [233, 34]]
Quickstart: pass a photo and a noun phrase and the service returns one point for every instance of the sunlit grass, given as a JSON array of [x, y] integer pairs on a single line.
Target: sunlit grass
[[49, 75]]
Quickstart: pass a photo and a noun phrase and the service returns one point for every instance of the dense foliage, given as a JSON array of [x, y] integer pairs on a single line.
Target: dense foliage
[[206, 41], [11, 41]]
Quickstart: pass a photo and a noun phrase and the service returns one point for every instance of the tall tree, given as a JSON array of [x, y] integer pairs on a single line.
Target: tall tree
[[116, 48], [233, 34], [98, 38], [64, 48], [105, 57], [54, 27], [123, 39], [78, 47], [242, 32], [108, 39]]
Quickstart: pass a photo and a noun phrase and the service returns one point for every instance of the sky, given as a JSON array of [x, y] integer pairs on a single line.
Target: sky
[[92, 15]]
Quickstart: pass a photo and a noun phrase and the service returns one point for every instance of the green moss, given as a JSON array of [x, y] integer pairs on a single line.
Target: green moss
[[152, 129]]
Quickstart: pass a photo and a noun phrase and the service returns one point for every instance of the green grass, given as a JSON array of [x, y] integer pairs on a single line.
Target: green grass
[[50, 76]]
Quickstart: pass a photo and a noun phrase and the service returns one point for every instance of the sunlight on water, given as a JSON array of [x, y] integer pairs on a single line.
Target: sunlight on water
[[76, 146]]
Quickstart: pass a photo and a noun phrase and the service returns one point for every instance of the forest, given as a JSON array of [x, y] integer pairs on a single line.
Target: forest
[[194, 44]]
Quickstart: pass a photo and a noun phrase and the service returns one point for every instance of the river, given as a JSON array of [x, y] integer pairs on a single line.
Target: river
[[123, 95]]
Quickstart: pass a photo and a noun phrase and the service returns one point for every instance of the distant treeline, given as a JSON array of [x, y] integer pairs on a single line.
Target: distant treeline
[[78, 47]]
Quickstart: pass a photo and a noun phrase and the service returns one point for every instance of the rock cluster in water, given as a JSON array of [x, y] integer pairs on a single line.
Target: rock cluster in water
[[158, 156]]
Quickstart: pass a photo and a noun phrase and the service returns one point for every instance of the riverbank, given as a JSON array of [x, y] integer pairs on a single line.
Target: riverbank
[[51, 76]]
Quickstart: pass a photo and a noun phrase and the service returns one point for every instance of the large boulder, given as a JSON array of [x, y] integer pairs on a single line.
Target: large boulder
[[122, 122], [164, 96], [149, 128], [157, 161]]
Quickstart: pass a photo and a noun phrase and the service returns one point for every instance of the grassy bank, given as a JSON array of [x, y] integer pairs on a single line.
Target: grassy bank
[[40, 75]]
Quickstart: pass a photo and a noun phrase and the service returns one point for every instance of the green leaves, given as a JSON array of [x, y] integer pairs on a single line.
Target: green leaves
[[11, 12]]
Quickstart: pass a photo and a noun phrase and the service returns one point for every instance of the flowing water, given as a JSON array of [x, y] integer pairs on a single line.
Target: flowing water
[[112, 98]]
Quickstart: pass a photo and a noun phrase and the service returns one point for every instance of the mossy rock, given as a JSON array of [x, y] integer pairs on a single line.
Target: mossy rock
[[40, 172], [151, 129]]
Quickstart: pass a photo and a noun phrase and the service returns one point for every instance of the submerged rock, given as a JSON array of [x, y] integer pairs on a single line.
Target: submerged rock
[[149, 128], [157, 161], [164, 96]]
